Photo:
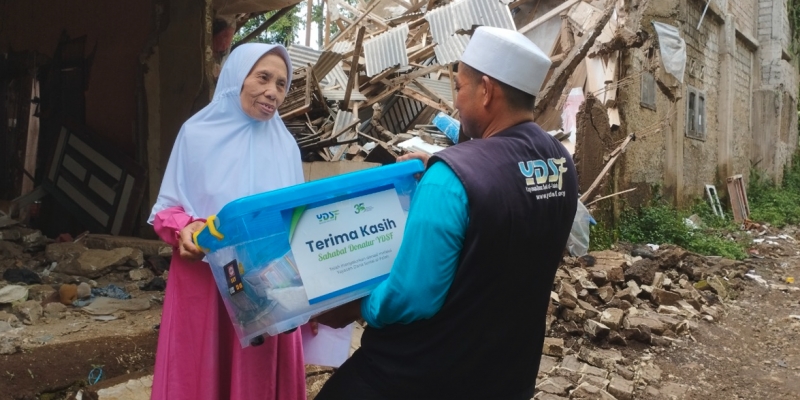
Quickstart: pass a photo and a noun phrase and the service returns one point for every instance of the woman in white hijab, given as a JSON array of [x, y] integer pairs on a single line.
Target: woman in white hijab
[[234, 147]]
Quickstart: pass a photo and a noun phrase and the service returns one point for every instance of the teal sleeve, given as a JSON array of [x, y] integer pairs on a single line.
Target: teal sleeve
[[426, 262]]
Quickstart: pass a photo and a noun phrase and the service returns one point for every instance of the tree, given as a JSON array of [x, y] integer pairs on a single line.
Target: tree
[[283, 31]]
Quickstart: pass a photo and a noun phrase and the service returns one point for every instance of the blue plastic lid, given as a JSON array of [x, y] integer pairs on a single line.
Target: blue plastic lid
[[265, 208]]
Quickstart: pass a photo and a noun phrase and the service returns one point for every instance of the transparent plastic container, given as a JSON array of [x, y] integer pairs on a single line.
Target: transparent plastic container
[[248, 246]]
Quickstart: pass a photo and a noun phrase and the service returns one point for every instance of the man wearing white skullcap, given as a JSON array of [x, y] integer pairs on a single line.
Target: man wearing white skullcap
[[462, 313]]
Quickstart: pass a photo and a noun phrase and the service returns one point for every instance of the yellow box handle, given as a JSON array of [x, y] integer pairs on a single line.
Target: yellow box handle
[[212, 228]]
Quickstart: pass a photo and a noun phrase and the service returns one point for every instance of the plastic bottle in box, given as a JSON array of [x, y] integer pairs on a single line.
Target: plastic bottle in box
[[247, 245]]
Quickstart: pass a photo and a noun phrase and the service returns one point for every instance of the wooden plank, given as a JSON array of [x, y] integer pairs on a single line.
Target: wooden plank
[[544, 18], [351, 80]]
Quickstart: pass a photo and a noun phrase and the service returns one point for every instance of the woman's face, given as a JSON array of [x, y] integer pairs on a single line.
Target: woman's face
[[264, 89]]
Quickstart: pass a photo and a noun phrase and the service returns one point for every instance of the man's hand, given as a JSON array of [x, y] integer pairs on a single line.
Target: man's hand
[[415, 156], [186, 248], [424, 157], [341, 316]]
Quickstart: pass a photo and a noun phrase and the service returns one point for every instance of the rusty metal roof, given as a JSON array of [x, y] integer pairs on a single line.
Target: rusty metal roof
[[463, 15], [386, 50]]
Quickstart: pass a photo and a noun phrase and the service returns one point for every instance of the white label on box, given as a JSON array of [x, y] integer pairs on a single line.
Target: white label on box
[[342, 246]]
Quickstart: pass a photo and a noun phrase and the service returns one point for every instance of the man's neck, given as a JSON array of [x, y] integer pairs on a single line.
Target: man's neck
[[504, 121]]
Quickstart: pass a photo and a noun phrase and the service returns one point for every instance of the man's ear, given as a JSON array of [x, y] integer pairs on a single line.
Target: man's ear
[[488, 87]]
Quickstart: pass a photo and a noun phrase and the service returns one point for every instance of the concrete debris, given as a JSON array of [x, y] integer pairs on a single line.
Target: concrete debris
[[12, 294], [134, 389], [29, 311]]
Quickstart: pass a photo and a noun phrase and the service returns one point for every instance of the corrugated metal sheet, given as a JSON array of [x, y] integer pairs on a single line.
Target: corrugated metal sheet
[[386, 50], [463, 15], [398, 114], [342, 47], [337, 76], [343, 118], [322, 61], [441, 88], [338, 95]]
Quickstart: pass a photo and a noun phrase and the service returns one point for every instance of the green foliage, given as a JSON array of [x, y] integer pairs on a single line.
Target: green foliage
[[776, 205], [283, 31], [601, 237], [793, 8], [660, 223]]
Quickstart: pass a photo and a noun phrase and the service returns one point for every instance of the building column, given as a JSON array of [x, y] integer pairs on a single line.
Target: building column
[[726, 95]]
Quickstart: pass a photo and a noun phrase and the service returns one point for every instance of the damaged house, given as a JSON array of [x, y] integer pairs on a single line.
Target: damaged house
[[679, 94]]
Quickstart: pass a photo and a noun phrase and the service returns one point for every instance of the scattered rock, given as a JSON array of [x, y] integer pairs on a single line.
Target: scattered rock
[[13, 294], [548, 396], [29, 311], [553, 347], [572, 363], [643, 251], [652, 324], [595, 381], [66, 252], [11, 319], [614, 337], [546, 364], [54, 310], [586, 391], [650, 373], [93, 263], [9, 345], [606, 293], [600, 358], [642, 272], [718, 286], [40, 292], [555, 385], [134, 389], [612, 317], [664, 297], [620, 388], [595, 329], [141, 274]]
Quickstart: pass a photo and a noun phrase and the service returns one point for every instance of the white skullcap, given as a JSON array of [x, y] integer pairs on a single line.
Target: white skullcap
[[507, 56]]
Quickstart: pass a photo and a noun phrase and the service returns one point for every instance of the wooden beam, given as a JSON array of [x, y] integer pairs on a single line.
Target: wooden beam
[[575, 57], [274, 18], [309, 14], [430, 93], [351, 80], [546, 17], [614, 156], [408, 91]]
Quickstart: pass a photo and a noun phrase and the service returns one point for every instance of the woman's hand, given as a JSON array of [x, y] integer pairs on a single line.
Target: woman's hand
[[186, 248]]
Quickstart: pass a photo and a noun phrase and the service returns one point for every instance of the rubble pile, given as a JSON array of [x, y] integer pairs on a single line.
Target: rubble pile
[[612, 312], [96, 278], [373, 90]]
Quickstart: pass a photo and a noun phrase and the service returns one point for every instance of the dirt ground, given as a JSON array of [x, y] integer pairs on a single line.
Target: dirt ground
[[753, 352], [750, 352]]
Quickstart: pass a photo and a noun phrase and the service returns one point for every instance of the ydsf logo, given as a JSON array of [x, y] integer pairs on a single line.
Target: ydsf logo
[[327, 216], [538, 172]]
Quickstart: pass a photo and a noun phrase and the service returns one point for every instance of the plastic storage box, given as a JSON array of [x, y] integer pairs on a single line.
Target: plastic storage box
[[281, 257]]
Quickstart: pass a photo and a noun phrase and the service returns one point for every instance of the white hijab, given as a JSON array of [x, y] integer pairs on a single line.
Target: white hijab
[[221, 154]]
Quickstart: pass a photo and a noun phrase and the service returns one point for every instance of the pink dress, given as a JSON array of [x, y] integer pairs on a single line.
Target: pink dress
[[199, 356]]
